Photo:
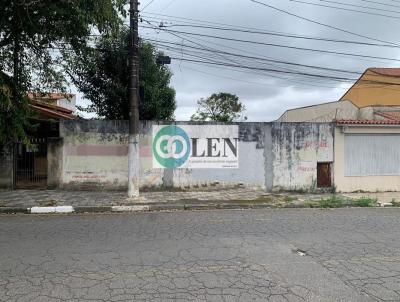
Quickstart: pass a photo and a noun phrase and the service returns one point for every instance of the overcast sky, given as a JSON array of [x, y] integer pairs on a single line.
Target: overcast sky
[[268, 94]]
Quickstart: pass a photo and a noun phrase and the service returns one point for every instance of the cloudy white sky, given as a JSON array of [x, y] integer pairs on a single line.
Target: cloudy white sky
[[268, 94]]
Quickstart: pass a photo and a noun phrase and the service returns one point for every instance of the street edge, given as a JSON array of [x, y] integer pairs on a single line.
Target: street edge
[[150, 208]]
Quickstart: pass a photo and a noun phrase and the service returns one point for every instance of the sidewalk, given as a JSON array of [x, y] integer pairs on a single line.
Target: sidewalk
[[27, 201]]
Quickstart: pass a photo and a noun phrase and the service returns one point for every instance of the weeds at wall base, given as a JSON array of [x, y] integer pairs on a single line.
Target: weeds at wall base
[[336, 202]]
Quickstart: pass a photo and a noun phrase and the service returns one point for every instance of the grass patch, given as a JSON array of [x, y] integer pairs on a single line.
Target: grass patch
[[332, 202], [289, 199], [395, 203], [337, 202], [365, 202]]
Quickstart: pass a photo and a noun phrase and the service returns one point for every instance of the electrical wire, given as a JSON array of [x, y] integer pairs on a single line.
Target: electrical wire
[[320, 23], [345, 9], [260, 58], [278, 45], [228, 27], [381, 3], [280, 35], [147, 5], [361, 6]]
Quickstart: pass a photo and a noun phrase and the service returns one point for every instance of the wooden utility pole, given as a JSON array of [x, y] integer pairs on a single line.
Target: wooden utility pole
[[133, 153]]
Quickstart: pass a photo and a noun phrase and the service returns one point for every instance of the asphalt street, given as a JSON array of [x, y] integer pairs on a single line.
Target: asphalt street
[[252, 255]]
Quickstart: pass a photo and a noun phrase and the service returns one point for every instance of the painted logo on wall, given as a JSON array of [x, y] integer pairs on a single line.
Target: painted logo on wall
[[171, 147], [195, 147]]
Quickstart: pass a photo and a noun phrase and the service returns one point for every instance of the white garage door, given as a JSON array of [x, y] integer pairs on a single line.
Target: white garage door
[[370, 155]]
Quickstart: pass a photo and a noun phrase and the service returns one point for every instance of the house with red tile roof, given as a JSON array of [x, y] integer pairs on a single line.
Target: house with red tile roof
[[53, 105]]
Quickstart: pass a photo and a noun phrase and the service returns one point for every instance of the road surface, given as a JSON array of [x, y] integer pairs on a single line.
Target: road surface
[[253, 255]]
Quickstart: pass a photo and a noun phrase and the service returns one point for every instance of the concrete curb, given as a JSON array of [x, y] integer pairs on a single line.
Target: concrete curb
[[49, 210], [14, 210], [147, 208]]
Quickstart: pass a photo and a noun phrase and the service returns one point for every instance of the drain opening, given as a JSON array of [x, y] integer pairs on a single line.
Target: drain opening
[[301, 252]]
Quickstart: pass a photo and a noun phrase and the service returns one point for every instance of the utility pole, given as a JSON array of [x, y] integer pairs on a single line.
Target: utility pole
[[133, 153]]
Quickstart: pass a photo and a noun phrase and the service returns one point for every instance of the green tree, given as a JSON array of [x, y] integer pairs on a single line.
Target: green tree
[[221, 107], [34, 36], [102, 75]]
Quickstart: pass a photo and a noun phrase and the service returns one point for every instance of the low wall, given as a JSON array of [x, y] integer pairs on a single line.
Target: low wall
[[6, 168], [296, 150], [95, 156], [275, 156], [55, 149]]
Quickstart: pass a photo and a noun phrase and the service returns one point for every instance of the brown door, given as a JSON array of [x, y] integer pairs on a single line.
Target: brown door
[[324, 179]]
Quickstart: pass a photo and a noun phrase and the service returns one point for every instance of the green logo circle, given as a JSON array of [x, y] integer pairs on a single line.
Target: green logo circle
[[171, 147]]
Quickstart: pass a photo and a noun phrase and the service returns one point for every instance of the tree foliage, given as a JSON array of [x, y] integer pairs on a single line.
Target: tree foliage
[[12, 118], [220, 107], [102, 75], [34, 36]]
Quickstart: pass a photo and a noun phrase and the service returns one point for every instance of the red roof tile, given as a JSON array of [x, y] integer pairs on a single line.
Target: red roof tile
[[368, 122], [393, 72]]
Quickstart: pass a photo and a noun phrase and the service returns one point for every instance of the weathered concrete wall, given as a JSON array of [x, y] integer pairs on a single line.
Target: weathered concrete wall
[[95, 156], [276, 156], [54, 162], [6, 168], [296, 150]]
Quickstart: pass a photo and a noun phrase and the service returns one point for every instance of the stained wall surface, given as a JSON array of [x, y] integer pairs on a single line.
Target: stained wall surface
[[297, 148], [95, 156]]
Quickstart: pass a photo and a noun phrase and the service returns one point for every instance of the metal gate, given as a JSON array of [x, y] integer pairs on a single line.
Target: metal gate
[[30, 164]]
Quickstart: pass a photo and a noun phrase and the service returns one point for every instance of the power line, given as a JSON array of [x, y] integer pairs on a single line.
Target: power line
[[383, 83], [252, 68], [279, 35], [342, 79], [381, 3], [262, 58], [168, 5], [361, 6], [258, 83], [345, 9], [147, 5], [320, 23], [279, 45], [229, 60], [248, 51], [258, 72], [199, 23], [269, 70]]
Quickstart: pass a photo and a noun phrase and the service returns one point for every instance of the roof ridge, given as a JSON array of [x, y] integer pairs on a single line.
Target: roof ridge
[[367, 122]]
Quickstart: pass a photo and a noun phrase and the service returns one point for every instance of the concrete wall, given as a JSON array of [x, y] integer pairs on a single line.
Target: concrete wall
[[276, 156], [296, 150], [365, 183], [6, 168], [95, 156], [321, 113], [54, 162]]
